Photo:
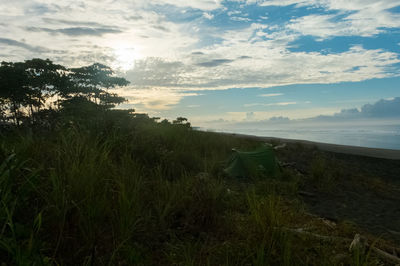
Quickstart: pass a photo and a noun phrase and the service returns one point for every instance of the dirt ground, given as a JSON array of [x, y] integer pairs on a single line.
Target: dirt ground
[[347, 184], [352, 188]]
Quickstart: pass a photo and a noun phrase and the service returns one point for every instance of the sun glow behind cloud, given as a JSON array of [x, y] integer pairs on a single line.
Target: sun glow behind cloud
[[125, 57]]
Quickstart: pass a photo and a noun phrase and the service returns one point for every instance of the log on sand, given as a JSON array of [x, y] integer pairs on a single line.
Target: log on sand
[[356, 243]]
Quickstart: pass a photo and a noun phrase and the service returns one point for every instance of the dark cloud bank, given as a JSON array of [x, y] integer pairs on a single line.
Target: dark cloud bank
[[77, 31], [32, 48], [215, 62], [382, 110]]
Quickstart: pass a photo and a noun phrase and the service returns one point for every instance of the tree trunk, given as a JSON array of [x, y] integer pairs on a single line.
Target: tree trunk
[[15, 111], [32, 113]]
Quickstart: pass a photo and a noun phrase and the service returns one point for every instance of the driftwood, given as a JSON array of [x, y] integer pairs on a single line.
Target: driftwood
[[357, 242], [394, 232], [386, 255], [303, 231], [329, 222], [280, 146], [291, 164]]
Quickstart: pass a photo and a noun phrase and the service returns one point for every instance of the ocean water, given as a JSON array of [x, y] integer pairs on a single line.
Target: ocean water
[[386, 137]]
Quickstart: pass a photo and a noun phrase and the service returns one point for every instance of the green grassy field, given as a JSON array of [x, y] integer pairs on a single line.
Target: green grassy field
[[133, 191]]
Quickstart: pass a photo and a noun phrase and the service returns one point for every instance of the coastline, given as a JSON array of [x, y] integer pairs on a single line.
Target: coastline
[[336, 148]]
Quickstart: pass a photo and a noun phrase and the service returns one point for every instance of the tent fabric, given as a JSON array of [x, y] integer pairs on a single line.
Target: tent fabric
[[256, 163]]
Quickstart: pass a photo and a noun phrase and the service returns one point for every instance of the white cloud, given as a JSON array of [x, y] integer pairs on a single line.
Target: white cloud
[[240, 19], [139, 30], [299, 113], [352, 5], [270, 65], [282, 2], [197, 4], [155, 98], [269, 104], [234, 12], [354, 18], [208, 15], [167, 65], [321, 26], [355, 5], [363, 23], [284, 103], [270, 94]]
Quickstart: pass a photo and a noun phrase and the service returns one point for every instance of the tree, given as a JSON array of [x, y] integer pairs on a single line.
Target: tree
[[38, 87], [44, 80], [14, 91], [181, 121], [94, 81]]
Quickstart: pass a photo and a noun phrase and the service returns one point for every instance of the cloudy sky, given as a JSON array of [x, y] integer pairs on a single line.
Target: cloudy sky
[[215, 60]]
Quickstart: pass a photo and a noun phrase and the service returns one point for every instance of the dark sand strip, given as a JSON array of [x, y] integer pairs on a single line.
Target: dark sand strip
[[354, 150]]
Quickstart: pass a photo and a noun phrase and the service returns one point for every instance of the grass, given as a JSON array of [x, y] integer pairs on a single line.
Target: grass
[[146, 193]]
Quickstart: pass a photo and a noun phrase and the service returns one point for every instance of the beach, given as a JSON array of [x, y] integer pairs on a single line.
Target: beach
[[337, 148]]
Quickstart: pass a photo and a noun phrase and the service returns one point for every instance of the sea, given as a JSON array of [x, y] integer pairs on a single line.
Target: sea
[[382, 136]]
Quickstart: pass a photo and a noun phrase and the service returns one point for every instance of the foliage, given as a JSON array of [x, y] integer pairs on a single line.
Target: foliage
[[128, 190], [29, 89]]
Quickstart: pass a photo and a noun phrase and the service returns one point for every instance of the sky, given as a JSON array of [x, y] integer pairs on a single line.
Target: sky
[[216, 61]]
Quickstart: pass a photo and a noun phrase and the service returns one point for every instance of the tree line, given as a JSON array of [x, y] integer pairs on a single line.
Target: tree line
[[34, 90]]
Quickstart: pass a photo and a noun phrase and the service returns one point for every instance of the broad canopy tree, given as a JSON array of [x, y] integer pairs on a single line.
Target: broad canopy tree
[[93, 83], [36, 86]]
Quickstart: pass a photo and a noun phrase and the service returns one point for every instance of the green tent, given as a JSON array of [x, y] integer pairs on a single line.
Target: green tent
[[256, 163]]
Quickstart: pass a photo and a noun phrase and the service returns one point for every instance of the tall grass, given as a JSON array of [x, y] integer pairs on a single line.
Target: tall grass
[[131, 194]]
